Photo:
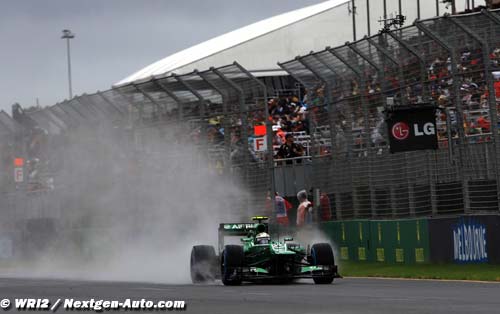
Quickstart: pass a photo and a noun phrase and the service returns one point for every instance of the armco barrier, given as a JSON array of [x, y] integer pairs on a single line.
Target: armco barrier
[[465, 239], [385, 241]]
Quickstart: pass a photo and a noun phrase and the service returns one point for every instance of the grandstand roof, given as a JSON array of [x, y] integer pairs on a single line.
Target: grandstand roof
[[7, 124], [189, 59]]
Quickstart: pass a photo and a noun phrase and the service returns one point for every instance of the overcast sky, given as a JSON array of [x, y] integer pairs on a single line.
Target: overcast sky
[[114, 38]]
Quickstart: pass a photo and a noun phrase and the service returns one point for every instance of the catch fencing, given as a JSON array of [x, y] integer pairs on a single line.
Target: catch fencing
[[450, 61], [201, 120]]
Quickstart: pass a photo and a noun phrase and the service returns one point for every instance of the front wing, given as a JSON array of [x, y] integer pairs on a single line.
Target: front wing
[[307, 272]]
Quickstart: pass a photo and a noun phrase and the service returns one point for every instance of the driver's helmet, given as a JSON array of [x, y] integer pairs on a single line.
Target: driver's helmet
[[262, 238]]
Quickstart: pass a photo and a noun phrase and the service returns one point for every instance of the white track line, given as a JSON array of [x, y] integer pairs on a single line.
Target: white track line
[[423, 279]]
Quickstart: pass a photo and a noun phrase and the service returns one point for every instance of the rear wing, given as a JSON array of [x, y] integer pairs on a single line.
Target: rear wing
[[238, 229]]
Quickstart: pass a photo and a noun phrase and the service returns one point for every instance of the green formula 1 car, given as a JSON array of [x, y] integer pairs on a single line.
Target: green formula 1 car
[[258, 258]]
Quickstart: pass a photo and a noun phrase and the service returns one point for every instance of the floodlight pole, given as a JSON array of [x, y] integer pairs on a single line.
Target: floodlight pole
[[67, 34]]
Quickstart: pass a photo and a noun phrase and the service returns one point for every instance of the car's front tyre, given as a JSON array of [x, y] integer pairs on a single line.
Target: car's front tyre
[[232, 260], [322, 255]]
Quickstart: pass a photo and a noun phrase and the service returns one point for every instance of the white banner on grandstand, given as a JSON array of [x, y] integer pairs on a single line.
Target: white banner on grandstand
[[18, 175], [260, 144]]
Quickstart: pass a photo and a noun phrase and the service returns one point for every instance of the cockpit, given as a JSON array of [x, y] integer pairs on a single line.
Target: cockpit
[[262, 238]]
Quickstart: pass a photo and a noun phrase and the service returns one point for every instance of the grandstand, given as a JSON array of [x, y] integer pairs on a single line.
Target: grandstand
[[451, 61], [336, 113]]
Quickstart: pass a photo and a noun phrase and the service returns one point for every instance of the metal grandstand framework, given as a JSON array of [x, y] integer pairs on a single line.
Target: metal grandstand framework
[[448, 61], [223, 98], [362, 78]]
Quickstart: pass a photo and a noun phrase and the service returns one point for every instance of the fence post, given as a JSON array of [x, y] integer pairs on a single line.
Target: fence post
[[492, 106], [225, 121], [312, 128], [364, 106], [458, 103], [193, 91], [425, 98], [349, 131], [332, 110], [244, 124], [172, 95], [387, 55], [329, 98], [415, 53], [151, 99], [269, 129], [332, 131], [266, 109], [130, 105], [381, 73], [202, 113]]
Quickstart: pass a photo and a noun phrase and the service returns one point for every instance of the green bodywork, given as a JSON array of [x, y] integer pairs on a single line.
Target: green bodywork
[[259, 254], [276, 259]]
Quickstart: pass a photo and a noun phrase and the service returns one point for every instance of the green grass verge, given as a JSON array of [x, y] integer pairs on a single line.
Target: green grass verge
[[484, 272]]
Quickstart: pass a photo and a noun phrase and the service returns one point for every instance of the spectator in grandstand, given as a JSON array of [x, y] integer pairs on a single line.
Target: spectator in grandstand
[[271, 105], [240, 152], [259, 117], [305, 98], [294, 118], [214, 136], [282, 108], [302, 109], [282, 208], [195, 135], [497, 88], [340, 140], [275, 119], [484, 124], [325, 207], [290, 149], [377, 136], [295, 102], [495, 57], [286, 124], [279, 136], [354, 88], [298, 126], [304, 208]]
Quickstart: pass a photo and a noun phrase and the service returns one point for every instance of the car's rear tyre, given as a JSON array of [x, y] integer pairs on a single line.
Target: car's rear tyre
[[203, 261], [231, 260], [322, 254]]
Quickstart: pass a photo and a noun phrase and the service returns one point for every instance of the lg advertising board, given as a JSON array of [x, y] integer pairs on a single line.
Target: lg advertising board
[[412, 128]]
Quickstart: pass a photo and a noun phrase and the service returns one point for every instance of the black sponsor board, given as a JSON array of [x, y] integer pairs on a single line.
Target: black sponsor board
[[465, 239], [412, 128]]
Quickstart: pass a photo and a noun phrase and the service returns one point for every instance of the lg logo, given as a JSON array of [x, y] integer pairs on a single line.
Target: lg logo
[[428, 129], [401, 130]]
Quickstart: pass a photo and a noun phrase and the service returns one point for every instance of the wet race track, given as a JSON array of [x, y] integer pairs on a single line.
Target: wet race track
[[348, 295]]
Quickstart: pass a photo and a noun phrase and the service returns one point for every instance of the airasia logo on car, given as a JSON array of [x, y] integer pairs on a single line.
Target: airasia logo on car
[[401, 130]]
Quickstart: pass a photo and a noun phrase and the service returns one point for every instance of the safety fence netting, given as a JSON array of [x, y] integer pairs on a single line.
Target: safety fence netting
[[451, 62], [176, 135]]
